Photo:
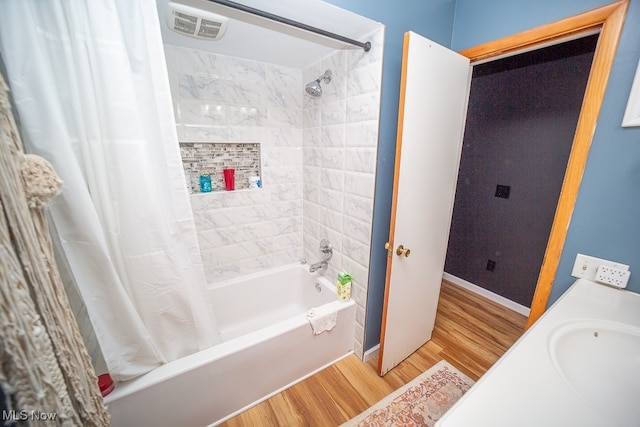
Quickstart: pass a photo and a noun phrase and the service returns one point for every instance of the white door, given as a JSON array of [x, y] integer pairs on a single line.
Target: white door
[[433, 105]]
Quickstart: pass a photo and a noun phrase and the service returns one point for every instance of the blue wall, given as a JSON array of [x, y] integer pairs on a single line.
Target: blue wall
[[606, 219], [432, 19]]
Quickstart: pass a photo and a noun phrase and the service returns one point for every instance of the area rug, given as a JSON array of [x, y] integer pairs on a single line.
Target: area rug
[[419, 403]]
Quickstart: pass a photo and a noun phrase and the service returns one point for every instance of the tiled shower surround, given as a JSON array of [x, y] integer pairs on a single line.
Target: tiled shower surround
[[318, 160]]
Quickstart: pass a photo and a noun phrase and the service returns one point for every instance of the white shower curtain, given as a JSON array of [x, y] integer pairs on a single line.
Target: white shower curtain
[[90, 85]]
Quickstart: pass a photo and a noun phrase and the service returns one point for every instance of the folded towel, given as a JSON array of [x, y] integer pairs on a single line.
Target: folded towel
[[322, 318]]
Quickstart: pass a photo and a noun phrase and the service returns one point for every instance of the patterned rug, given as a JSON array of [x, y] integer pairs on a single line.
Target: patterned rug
[[419, 403]]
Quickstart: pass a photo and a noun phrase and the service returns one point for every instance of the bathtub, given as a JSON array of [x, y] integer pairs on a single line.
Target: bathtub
[[268, 345]]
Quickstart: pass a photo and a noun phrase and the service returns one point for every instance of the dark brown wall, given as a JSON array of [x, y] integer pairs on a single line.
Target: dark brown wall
[[521, 120]]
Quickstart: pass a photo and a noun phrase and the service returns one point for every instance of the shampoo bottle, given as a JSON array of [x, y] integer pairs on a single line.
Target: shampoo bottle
[[344, 286]]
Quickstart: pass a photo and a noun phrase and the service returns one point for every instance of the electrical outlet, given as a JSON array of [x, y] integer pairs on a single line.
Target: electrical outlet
[[586, 266], [612, 276], [503, 191]]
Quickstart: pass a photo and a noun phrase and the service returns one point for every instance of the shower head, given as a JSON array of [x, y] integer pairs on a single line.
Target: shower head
[[313, 88]]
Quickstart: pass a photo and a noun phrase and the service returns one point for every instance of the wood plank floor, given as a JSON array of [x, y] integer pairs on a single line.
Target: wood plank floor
[[471, 333]]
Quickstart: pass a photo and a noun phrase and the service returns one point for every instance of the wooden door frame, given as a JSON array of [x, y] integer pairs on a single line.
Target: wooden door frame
[[608, 20]]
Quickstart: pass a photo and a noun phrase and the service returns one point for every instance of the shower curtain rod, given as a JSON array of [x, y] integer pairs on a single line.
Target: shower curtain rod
[[366, 45]]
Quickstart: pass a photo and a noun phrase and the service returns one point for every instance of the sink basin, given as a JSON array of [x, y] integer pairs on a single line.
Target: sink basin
[[578, 365], [600, 361]]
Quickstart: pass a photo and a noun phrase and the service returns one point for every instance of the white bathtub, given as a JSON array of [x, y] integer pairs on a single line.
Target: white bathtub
[[268, 346]]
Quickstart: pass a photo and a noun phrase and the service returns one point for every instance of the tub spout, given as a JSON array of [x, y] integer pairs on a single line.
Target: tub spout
[[321, 265]]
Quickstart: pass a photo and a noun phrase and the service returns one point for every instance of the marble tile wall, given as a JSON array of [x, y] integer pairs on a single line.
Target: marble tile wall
[[340, 139], [318, 160], [219, 98]]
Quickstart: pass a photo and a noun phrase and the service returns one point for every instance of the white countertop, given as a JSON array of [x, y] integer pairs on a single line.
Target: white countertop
[[524, 388]]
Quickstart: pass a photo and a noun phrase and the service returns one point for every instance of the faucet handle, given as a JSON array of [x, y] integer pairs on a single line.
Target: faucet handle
[[326, 249]]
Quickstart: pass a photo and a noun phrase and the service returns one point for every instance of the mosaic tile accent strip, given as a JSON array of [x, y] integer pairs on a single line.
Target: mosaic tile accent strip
[[212, 157]]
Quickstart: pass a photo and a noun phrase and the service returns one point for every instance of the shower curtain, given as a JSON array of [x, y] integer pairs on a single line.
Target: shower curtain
[[90, 85]]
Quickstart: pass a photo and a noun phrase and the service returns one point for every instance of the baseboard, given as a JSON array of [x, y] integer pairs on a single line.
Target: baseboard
[[371, 353], [518, 308]]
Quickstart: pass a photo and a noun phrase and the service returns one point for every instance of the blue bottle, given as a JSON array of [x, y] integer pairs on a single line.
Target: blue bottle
[[205, 183]]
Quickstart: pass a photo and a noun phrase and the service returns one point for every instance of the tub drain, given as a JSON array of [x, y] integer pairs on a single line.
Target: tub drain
[[318, 287]]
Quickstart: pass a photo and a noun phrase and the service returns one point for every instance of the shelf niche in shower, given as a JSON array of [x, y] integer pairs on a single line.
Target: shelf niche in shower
[[213, 157]]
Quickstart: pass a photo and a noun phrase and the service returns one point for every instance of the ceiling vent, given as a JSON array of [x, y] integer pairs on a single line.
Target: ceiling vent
[[196, 23]]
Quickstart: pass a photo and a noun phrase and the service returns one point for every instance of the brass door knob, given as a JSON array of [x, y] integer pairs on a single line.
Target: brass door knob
[[401, 250]]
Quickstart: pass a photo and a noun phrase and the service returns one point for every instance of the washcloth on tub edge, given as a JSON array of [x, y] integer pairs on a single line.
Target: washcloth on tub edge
[[322, 318]]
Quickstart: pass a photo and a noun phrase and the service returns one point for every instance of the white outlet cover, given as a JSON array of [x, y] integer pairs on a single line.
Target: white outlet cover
[[585, 267]]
